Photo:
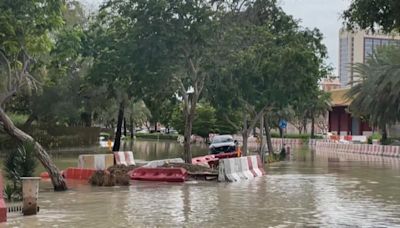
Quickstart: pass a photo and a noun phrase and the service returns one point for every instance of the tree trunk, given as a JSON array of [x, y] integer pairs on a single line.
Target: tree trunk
[[125, 128], [55, 175], [245, 134], [117, 140], [155, 127], [312, 125], [280, 132], [245, 137], [187, 135], [132, 127], [268, 135], [384, 135], [305, 125], [262, 154]]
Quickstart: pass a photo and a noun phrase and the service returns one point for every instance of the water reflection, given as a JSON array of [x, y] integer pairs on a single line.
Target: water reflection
[[310, 190]]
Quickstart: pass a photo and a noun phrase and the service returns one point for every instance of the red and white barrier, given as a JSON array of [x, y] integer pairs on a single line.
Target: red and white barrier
[[367, 149], [95, 161], [3, 208], [159, 163], [242, 168], [204, 160], [124, 158], [374, 159]]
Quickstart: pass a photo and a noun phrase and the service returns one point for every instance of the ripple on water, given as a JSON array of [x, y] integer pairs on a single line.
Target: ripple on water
[[302, 194]]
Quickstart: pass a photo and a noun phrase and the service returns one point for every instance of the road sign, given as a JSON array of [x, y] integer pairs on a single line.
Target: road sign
[[282, 124]]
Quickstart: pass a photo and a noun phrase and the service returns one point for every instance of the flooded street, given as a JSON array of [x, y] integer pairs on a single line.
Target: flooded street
[[310, 190]]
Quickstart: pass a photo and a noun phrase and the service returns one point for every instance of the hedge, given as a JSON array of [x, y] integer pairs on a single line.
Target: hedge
[[156, 136]]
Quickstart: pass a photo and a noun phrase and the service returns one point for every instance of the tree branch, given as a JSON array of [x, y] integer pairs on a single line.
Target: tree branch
[[256, 118], [7, 62], [226, 117], [7, 96]]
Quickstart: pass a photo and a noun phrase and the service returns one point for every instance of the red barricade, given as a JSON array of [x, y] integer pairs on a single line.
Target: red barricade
[[208, 160], [78, 173], [160, 174], [44, 175], [3, 208]]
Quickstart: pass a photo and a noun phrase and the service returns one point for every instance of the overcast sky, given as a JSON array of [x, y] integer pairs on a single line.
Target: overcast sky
[[322, 14]]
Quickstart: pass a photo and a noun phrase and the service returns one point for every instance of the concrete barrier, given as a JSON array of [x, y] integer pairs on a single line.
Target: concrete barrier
[[95, 161], [242, 168], [124, 158], [365, 149], [158, 163]]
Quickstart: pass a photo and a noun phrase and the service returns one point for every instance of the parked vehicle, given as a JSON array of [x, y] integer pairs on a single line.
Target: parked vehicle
[[222, 144]]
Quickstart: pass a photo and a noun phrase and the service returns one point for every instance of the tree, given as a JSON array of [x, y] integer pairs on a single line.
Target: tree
[[273, 63], [204, 120], [173, 45], [112, 67], [25, 27], [370, 14], [138, 114], [376, 96]]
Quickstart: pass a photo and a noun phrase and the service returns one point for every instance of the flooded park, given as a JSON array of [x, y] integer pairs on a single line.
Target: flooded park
[[310, 189]]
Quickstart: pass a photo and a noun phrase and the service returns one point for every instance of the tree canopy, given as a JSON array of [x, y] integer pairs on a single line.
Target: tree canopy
[[374, 14]]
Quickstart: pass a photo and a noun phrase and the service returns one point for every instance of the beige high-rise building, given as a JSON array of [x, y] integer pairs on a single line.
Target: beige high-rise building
[[355, 47]]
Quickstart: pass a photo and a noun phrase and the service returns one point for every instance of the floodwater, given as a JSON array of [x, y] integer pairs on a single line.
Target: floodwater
[[309, 190]]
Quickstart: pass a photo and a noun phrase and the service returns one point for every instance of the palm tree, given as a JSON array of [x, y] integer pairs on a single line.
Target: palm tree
[[376, 95]]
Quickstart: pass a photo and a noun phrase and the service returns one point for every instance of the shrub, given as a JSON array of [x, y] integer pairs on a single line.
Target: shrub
[[157, 136], [17, 164]]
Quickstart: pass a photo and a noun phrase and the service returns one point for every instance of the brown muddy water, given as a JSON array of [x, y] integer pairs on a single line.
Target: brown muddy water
[[310, 190]]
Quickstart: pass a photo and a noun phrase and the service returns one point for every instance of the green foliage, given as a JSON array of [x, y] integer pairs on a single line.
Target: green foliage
[[9, 192], [267, 62], [377, 96], [304, 137], [374, 136], [17, 164], [18, 119], [24, 36], [204, 121], [369, 14], [157, 136]]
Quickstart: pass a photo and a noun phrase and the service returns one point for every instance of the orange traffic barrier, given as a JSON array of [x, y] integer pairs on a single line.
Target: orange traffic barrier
[[78, 173], [44, 175], [160, 174]]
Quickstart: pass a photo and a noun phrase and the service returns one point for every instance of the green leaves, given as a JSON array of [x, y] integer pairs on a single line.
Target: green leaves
[[376, 95], [368, 14]]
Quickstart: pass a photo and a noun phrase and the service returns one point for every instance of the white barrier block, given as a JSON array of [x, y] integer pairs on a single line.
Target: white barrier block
[[100, 161], [158, 163], [124, 158], [256, 169], [228, 171], [245, 168]]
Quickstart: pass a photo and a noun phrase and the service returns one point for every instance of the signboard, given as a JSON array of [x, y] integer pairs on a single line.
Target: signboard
[[282, 124]]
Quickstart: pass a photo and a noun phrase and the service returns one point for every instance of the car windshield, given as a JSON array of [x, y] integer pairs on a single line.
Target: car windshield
[[222, 139]]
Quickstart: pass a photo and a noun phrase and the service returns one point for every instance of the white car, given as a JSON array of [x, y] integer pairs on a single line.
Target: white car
[[222, 144]]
